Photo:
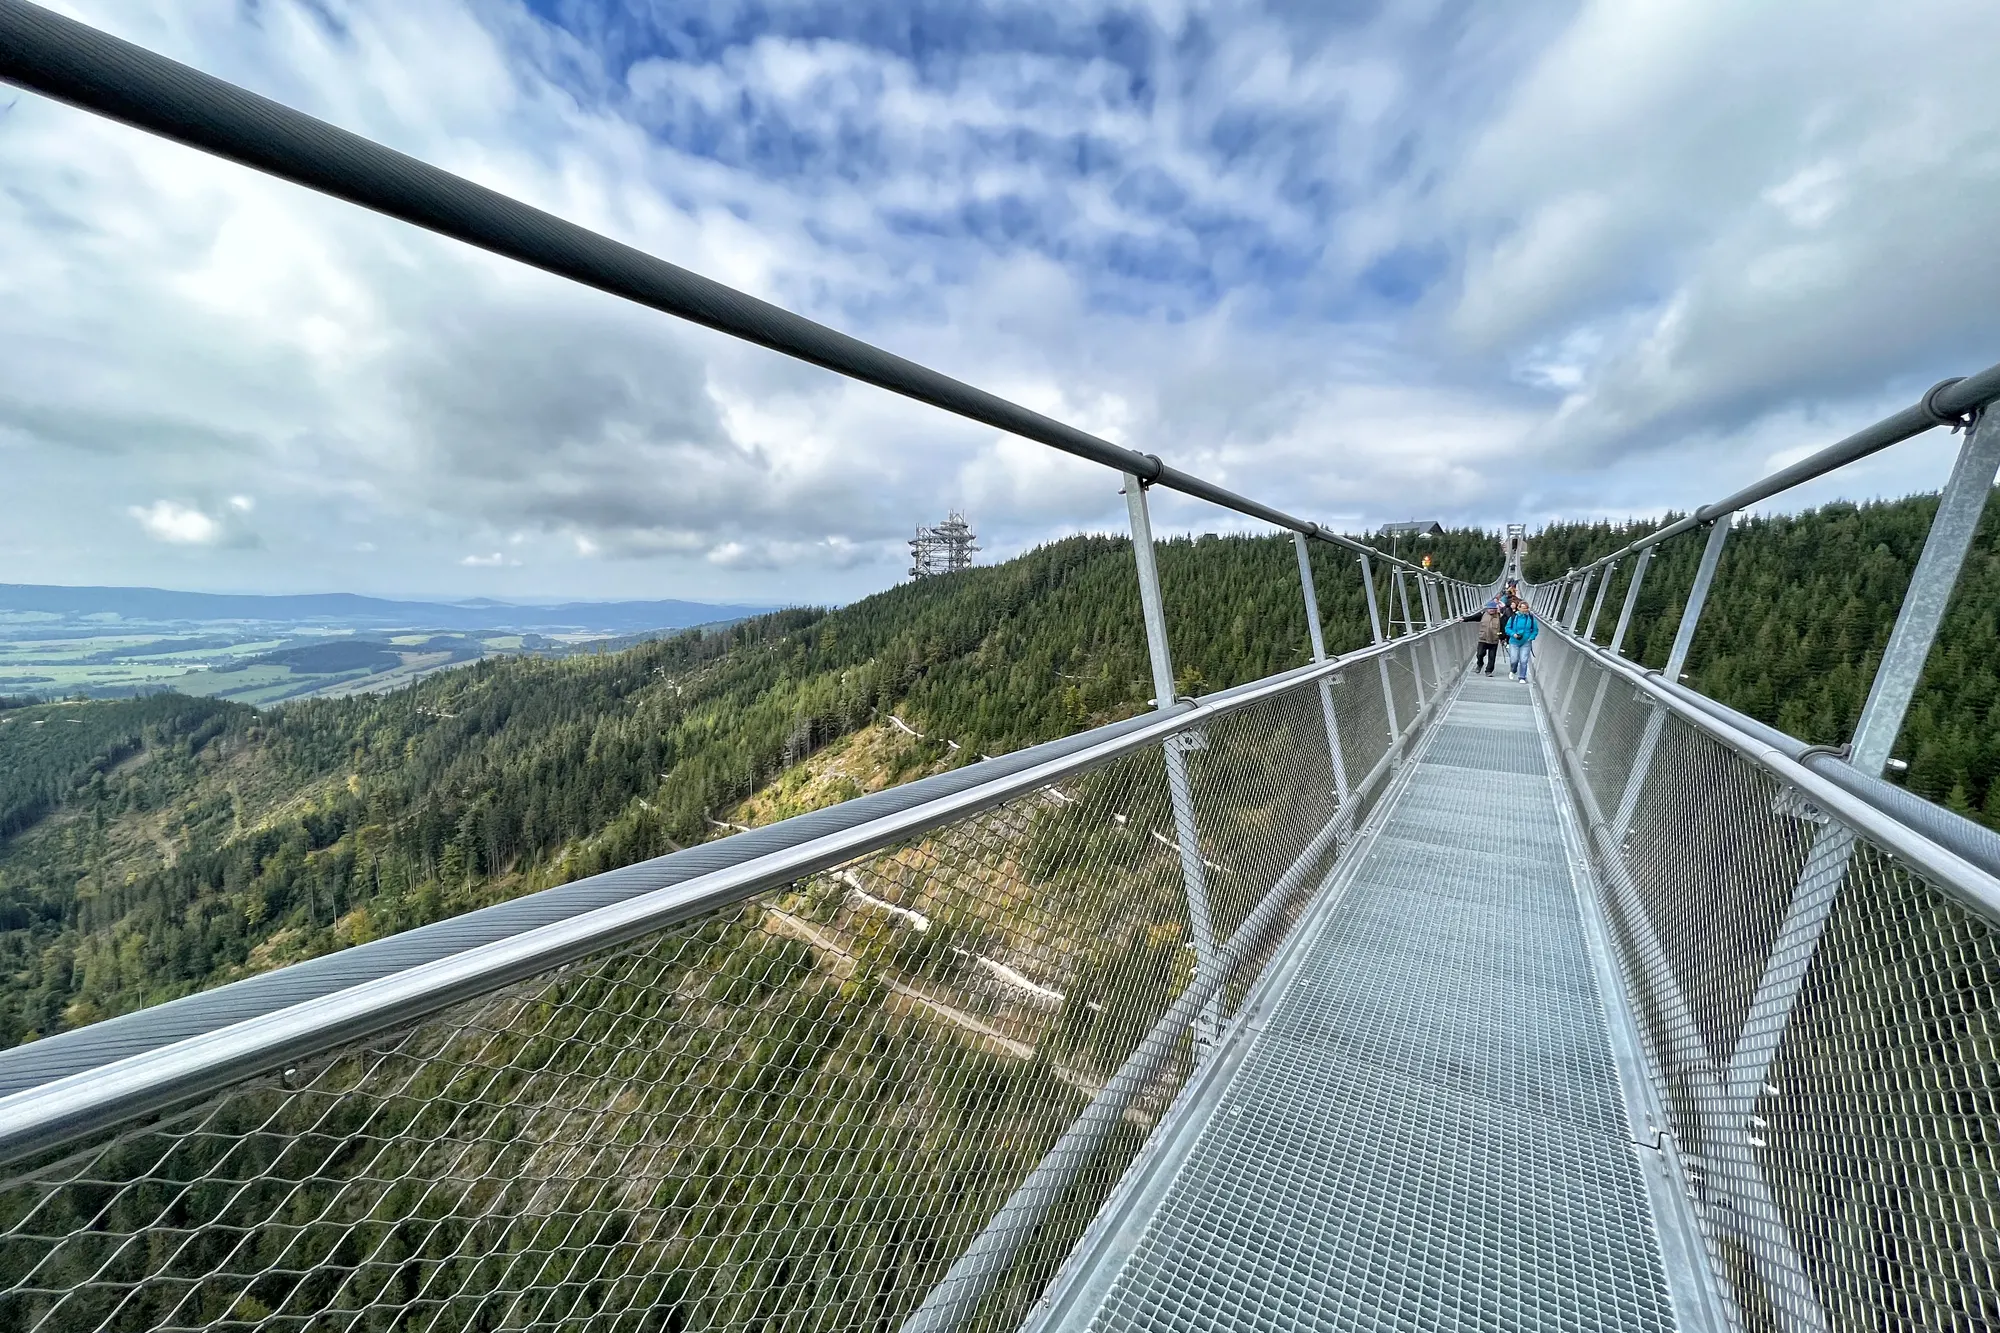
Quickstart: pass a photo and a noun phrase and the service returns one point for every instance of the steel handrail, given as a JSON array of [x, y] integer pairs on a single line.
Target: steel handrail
[[100, 1098], [1946, 404], [74, 63]]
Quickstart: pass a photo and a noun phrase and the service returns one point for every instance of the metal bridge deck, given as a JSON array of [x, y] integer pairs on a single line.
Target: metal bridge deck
[[1423, 1127]]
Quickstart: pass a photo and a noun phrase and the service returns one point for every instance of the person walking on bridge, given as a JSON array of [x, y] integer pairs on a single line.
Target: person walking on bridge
[[1492, 620], [1520, 630]]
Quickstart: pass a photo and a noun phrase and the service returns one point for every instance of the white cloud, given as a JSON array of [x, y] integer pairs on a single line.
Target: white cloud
[[1490, 264], [166, 521], [1777, 214]]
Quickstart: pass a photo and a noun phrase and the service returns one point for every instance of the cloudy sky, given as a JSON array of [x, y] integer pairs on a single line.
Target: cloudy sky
[[1478, 262]]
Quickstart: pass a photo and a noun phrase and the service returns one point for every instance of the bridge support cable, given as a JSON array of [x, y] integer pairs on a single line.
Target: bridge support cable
[[1194, 872], [1787, 943], [1317, 636]]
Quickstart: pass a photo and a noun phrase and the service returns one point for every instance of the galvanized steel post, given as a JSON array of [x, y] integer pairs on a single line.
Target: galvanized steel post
[[1318, 638], [1381, 662], [1582, 595], [1603, 586], [1433, 617], [1597, 605], [1697, 598], [1409, 628], [1958, 511], [1187, 838], [1374, 612], [1631, 600], [1704, 577]]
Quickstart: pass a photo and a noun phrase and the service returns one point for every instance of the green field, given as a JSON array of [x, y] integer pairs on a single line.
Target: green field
[[224, 666]]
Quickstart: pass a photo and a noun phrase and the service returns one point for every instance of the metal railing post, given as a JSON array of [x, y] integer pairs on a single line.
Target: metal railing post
[[1958, 512], [1318, 637], [1409, 628], [1697, 598], [1374, 612], [1617, 643], [1382, 662], [1596, 606], [1582, 595], [1704, 577], [1433, 617], [1194, 875], [1631, 601]]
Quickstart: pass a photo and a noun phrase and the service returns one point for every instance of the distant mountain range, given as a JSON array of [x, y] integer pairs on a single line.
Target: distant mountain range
[[158, 605]]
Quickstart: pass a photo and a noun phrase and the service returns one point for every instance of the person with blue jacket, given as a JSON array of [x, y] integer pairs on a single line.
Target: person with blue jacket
[[1521, 629]]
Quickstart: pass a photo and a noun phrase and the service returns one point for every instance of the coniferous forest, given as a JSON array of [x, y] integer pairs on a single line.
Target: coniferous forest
[[1798, 617], [155, 846]]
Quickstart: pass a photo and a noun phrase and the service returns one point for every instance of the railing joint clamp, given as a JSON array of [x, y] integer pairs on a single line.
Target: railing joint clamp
[[1957, 421], [1836, 751]]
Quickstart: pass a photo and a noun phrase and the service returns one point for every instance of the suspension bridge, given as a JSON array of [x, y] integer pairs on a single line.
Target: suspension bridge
[[1376, 994]]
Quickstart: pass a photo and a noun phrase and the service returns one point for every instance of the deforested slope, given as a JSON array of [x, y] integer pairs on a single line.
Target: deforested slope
[[167, 845]]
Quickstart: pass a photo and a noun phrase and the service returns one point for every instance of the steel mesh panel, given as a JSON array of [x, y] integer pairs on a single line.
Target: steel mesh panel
[[1426, 1131], [1262, 784], [1882, 1106], [1363, 719], [792, 1113], [1822, 1028], [1403, 683]]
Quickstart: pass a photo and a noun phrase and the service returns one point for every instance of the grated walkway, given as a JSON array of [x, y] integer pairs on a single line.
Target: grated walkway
[[1425, 1131]]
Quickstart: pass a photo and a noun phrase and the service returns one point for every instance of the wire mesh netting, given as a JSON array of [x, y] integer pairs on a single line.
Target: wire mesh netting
[[1822, 1025], [794, 1112]]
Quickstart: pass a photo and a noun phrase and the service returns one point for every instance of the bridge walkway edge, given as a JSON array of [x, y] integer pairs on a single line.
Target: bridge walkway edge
[[1418, 1120]]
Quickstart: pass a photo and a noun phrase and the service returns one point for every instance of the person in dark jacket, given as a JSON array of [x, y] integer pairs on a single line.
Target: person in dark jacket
[[1521, 630], [1492, 620]]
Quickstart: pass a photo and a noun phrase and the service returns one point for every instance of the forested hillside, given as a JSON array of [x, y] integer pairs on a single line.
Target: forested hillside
[[1799, 615], [155, 846]]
